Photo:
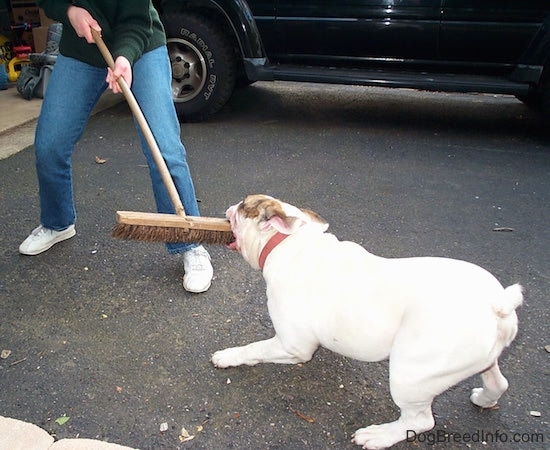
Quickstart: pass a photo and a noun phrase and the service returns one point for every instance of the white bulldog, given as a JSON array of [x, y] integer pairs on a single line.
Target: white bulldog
[[438, 320]]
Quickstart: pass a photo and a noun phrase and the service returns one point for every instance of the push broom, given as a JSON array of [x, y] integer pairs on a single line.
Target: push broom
[[159, 227]]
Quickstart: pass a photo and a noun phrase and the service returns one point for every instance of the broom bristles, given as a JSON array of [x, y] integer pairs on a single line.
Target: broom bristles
[[172, 228], [153, 233]]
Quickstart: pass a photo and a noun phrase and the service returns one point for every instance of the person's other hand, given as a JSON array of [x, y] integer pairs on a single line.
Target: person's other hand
[[122, 69]]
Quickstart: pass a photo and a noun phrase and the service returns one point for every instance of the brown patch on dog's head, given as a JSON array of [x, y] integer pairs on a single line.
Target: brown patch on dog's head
[[262, 207], [264, 210]]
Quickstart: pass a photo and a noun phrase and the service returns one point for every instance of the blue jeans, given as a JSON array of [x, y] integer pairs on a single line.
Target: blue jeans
[[73, 90]]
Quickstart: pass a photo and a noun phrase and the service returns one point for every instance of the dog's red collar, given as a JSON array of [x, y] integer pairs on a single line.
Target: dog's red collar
[[275, 240]]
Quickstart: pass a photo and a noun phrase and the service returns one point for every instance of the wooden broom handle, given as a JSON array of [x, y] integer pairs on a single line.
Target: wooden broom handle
[[144, 126]]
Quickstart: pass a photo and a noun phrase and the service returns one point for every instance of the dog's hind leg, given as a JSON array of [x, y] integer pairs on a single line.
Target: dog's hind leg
[[271, 350], [494, 385]]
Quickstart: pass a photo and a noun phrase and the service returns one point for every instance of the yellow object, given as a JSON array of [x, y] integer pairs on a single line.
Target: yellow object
[[5, 49], [14, 67]]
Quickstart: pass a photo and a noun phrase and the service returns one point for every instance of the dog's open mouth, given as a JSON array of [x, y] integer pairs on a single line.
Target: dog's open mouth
[[233, 244]]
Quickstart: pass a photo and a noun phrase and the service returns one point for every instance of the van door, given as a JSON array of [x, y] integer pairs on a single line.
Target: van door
[[492, 32], [355, 32]]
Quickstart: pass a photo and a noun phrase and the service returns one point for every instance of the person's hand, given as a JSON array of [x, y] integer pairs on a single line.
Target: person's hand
[[81, 20], [122, 69]]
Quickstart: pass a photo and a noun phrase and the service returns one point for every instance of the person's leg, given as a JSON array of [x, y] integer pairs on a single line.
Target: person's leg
[[151, 87], [73, 90]]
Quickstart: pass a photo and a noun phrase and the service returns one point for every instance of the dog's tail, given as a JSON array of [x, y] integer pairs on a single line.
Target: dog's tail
[[504, 307], [507, 303]]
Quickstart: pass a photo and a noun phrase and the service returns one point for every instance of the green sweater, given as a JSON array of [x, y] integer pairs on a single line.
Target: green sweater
[[130, 28]]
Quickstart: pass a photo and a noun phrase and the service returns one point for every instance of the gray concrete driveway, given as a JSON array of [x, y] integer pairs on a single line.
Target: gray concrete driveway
[[102, 332]]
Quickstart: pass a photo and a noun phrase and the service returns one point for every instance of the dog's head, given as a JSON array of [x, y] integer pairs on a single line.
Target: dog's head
[[258, 217]]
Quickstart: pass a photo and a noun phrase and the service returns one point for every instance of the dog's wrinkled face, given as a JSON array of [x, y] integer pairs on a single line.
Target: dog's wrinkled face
[[258, 217]]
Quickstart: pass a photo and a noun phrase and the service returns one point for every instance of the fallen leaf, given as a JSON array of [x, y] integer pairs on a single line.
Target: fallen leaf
[[99, 160], [185, 436], [62, 420], [302, 416]]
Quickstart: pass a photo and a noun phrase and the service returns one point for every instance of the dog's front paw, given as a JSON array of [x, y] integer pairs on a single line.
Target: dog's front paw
[[227, 358], [376, 437]]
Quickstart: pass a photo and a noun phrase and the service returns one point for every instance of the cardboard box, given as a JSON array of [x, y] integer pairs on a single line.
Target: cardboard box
[[28, 39], [39, 35], [26, 14], [44, 20]]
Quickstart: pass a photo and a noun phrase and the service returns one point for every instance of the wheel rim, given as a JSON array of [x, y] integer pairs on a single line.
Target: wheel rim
[[188, 69]]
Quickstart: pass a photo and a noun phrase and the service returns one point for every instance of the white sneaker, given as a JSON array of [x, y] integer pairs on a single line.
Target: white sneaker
[[198, 270], [41, 239]]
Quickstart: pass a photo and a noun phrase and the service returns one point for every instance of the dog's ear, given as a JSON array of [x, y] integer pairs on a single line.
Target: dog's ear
[[271, 213], [285, 225], [287, 219], [274, 216]]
